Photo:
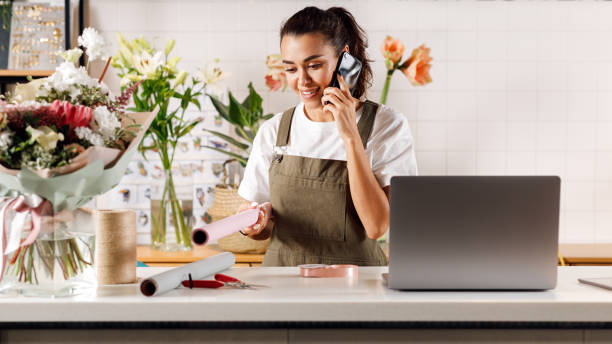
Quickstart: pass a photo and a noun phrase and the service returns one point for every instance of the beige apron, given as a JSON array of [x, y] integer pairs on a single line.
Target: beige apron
[[315, 219]]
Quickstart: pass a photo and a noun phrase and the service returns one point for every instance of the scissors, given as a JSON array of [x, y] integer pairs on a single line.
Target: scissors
[[221, 280]]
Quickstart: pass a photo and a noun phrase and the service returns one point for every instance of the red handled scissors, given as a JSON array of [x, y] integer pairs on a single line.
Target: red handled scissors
[[221, 280]]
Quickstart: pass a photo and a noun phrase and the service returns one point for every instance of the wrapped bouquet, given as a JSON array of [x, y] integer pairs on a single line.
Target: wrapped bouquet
[[63, 140]]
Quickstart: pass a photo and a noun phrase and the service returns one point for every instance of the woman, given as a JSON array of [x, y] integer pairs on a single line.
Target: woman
[[323, 168]]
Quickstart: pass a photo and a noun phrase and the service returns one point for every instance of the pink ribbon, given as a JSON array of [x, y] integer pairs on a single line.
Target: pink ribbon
[[20, 205]]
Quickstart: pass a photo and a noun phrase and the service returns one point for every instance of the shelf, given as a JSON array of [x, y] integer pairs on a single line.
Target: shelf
[[25, 73]]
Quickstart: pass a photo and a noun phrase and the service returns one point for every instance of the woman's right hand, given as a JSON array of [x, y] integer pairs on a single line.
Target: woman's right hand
[[265, 211]]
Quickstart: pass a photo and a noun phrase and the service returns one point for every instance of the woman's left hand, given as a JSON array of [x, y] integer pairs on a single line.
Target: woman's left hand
[[343, 107]]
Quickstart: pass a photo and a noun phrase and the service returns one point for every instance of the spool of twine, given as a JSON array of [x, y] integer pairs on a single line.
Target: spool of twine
[[116, 246]]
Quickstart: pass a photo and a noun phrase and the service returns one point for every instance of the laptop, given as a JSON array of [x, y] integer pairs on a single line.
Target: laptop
[[474, 232]]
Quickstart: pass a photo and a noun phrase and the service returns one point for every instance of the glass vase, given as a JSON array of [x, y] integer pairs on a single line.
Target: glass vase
[[171, 213], [59, 262]]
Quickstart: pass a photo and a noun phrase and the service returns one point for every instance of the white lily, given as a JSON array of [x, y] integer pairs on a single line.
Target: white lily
[[148, 65], [213, 75]]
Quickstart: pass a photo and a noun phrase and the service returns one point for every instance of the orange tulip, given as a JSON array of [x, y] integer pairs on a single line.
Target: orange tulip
[[416, 68], [392, 49]]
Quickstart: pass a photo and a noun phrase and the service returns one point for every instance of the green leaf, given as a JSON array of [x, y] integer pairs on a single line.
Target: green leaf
[[253, 103], [248, 135], [221, 109], [238, 114], [184, 131], [240, 158], [267, 117], [229, 139]]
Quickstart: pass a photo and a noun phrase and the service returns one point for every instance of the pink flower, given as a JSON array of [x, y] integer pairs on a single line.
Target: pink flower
[[72, 115], [275, 77], [417, 67], [392, 49]]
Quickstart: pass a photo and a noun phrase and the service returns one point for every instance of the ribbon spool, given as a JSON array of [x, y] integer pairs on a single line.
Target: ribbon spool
[[115, 246]]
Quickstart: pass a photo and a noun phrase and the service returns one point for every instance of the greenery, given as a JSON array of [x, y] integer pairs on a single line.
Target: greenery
[[161, 86], [245, 117]]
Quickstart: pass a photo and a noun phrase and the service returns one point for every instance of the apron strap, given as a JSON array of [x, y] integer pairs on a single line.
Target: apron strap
[[366, 122], [282, 138]]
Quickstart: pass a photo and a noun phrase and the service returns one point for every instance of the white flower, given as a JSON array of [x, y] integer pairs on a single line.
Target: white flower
[[94, 44], [106, 121], [212, 76], [66, 78], [6, 139], [86, 134], [71, 55], [148, 65], [46, 137]]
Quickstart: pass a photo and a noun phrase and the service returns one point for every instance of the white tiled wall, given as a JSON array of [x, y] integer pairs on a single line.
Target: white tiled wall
[[520, 87]]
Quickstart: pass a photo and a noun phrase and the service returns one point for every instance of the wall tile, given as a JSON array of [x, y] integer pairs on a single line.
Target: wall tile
[[462, 136], [492, 136], [431, 163], [522, 106], [462, 45], [521, 163], [521, 136], [431, 106], [431, 136], [491, 76], [604, 106], [461, 106], [491, 106], [460, 163], [579, 195], [581, 136], [582, 106], [491, 163]]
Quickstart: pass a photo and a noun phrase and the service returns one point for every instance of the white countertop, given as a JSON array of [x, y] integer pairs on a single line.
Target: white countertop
[[290, 298]]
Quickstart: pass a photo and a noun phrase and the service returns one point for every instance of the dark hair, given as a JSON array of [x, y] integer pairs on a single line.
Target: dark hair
[[339, 27]]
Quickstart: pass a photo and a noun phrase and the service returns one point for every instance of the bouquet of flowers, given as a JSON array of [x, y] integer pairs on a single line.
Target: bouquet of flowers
[[63, 140]]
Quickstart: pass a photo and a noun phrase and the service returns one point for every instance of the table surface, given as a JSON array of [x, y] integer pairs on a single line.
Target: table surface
[[289, 298]]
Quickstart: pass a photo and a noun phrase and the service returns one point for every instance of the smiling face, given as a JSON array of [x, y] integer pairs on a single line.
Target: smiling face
[[309, 62]]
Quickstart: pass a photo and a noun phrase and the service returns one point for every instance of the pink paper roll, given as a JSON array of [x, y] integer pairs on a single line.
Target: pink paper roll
[[224, 227]]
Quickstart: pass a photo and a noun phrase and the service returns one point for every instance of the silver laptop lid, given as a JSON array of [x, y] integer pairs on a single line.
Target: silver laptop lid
[[474, 232]]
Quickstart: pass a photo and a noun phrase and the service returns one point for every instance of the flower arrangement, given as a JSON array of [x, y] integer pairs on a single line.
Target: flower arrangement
[[64, 139], [415, 68], [157, 81]]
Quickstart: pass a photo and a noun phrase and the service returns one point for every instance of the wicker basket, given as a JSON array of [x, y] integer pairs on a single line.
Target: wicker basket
[[226, 203]]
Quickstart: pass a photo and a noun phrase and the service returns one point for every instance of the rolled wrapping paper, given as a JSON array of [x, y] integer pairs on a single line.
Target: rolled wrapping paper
[[225, 227], [115, 246], [171, 279]]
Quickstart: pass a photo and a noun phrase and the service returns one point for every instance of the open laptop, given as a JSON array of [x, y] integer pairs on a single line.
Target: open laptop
[[474, 232]]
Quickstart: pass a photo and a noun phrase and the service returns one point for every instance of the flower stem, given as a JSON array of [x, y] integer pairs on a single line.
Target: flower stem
[[385, 91]]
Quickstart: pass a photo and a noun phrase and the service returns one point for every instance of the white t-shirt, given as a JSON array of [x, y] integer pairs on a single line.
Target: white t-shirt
[[390, 148]]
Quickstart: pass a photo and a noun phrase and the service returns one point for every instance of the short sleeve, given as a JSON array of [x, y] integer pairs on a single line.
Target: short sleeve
[[392, 147], [255, 185]]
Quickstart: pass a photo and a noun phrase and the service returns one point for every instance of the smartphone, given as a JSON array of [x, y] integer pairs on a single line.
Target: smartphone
[[349, 67]]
